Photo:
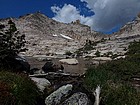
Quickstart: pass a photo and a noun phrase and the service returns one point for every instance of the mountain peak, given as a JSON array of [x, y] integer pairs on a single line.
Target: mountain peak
[[41, 31]]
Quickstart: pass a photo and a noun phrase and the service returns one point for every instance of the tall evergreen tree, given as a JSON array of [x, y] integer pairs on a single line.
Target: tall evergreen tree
[[11, 42]]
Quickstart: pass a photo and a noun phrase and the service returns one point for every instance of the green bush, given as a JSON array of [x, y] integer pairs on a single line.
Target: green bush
[[114, 91], [115, 78], [17, 89], [6, 98], [97, 53], [134, 48], [119, 94], [68, 53]]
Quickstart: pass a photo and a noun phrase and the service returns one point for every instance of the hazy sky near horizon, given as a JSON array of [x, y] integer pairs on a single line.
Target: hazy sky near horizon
[[101, 15]]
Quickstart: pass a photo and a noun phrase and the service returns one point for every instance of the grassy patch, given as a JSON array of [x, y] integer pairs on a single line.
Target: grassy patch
[[18, 88], [115, 78], [114, 90]]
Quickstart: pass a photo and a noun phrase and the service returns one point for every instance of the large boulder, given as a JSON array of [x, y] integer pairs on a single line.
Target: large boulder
[[41, 83], [48, 67], [51, 67], [69, 61], [22, 64], [77, 99], [15, 64], [102, 59], [56, 97]]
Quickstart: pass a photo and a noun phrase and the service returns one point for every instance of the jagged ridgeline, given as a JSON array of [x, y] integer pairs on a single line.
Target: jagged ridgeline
[[42, 32], [46, 36]]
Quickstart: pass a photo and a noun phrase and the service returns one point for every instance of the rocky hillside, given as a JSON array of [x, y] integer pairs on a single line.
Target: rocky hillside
[[45, 35], [118, 42]]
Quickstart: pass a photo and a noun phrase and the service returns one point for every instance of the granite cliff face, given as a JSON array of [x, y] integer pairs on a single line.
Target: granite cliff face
[[118, 42], [46, 36]]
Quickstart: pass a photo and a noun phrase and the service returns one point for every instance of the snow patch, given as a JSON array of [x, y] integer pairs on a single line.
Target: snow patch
[[66, 37], [55, 35]]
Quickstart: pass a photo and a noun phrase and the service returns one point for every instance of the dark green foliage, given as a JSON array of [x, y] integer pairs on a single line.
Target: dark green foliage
[[115, 78], [109, 53], [103, 40], [17, 89], [114, 90], [79, 52], [68, 53], [6, 98], [89, 45], [114, 56], [11, 43], [97, 53], [134, 48]]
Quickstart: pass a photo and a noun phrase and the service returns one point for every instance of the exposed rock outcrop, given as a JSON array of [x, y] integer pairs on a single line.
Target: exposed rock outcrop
[[56, 97], [46, 36], [41, 83], [77, 99], [69, 61]]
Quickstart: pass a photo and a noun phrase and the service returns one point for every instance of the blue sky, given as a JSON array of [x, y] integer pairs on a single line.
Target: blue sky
[[101, 15], [15, 8]]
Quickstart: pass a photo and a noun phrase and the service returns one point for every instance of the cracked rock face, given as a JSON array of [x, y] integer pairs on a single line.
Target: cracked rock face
[[46, 36], [77, 99], [56, 97], [41, 83]]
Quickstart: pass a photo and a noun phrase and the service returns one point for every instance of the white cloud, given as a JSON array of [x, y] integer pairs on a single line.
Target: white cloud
[[112, 13], [108, 13], [69, 13]]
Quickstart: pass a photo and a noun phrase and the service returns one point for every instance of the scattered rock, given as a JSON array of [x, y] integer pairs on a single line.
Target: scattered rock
[[41, 83], [119, 57], [33, 71], [48, 67], [77, 99], [69, 61], [50, 74], [22, 64], [102, 59], [41, 57], [56, 97], [95, 63]]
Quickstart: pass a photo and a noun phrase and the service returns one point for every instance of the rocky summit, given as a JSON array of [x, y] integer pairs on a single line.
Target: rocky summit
[[117, 43], [46, 36]]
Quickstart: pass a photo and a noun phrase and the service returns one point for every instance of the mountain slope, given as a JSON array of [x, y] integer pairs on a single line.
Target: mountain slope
[[45, 35], [119, 41]]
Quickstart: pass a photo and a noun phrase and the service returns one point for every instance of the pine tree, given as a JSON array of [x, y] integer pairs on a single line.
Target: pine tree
[[11, 42]]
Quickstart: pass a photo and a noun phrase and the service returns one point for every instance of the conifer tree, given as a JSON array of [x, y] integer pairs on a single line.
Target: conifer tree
[[11, 42]]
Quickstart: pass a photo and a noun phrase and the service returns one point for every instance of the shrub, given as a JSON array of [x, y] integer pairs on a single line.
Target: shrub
[[114, 91], [17, 89], [6, 98], [68, 53], [115, 78], [134, 48], [97, 53]]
